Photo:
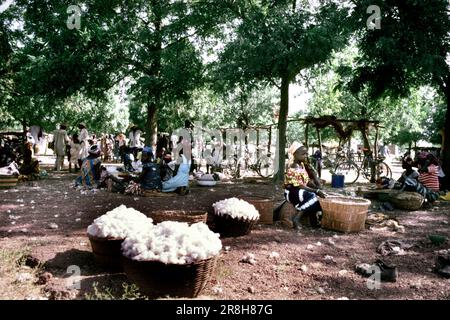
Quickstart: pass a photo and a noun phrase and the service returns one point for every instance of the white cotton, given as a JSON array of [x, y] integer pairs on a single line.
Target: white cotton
[[120, 222], [236, 208], [173, 243]]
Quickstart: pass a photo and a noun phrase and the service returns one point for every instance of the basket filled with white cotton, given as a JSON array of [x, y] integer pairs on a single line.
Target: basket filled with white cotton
[[174, 259], [108, 231], [234, 217]]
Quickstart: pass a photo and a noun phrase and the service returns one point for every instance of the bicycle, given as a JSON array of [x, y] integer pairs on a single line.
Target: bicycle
[[381, 168], [350, 168], [264, 166]]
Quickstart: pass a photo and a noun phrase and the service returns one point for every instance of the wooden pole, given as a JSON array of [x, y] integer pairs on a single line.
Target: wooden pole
[[374, 173], [319, 139], [306, 137], [318, 167]]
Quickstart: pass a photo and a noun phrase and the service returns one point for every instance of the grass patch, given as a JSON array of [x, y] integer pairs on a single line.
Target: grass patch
[[12, 265], [128, 292]]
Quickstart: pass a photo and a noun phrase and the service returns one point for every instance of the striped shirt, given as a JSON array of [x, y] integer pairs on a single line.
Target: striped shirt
[[430, 179]]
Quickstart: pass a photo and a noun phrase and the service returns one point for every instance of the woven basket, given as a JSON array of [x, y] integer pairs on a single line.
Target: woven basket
[[228, 226], [157, 279], [8, 181], [107, 252], [179, 215], [264, 207], [407, 200], [344, 214]]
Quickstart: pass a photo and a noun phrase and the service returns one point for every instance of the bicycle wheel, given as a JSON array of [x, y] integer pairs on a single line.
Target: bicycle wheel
[[349, 169], [365, 169], [383, 170], [265, 167]]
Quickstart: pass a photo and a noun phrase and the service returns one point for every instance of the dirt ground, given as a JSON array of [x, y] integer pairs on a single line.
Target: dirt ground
[[48, 219]]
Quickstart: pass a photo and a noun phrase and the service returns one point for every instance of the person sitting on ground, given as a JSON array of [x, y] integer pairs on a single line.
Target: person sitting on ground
[[428, 172], [90, 169], [30, 165], [302, 186], [180, 182], [407, 164], [150, 177]]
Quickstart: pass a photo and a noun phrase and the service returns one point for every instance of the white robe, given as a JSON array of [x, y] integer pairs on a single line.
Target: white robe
[[84, 137]]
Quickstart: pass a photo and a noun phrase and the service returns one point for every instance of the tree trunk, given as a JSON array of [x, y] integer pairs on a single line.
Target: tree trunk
[[282, 123], [155, 71], [152, 125], [446, 146]]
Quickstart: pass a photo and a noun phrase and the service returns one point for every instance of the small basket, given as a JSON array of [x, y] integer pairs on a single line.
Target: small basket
[[406, 200], [107, 252], [344, 214], [156, 279], [179, 215], [264, 207], [228, 226], [8, 181]]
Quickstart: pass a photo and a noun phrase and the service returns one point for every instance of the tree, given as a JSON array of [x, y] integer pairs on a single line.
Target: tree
[[409, 50], [273, 42], [149, 44]]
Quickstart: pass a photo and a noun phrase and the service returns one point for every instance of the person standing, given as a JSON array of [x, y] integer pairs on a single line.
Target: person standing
[[84, 141], [135, 141], [75, 148], [60, 139]]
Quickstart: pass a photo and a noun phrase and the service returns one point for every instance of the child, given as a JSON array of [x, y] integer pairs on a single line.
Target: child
[[75, 149]]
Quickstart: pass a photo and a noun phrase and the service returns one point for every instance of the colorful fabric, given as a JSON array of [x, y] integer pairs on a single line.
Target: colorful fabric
[[430, 179], [88, 174], [296, 177]]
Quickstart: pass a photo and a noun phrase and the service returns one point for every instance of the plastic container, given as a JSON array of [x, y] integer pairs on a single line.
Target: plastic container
[[337, 181]]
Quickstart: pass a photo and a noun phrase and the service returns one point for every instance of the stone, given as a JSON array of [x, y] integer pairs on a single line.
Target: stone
[[320, 290], [52, 226], [31, 261], [44, 278], [24, 277], [217, 290], [251, 290], [304, 268]]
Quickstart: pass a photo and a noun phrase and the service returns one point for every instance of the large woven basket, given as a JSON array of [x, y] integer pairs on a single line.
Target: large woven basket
[[264, 207], [406, 200], [107, 252], [228, 226], [344, 214], [190, 217], [8, 181], [156, 279]]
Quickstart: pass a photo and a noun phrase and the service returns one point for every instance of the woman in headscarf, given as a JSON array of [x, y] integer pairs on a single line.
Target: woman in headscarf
[[302, 187], [90, 168]]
